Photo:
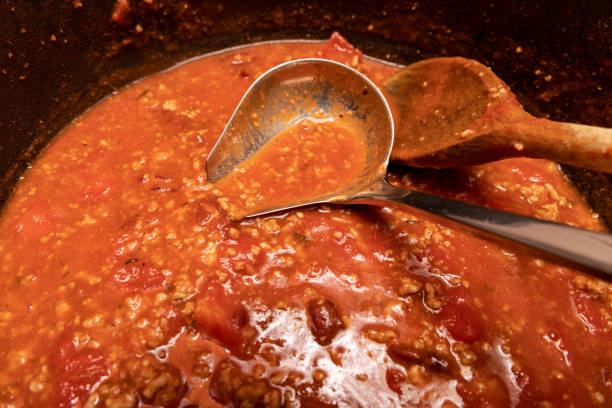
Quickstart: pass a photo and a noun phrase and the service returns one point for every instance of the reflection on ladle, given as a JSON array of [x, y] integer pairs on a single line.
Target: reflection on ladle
[[315, 88]]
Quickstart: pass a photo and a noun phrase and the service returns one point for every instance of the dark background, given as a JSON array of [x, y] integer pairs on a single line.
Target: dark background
[[58, 57]]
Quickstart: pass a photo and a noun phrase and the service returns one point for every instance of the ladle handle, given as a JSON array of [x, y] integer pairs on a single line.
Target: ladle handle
[[588, 248]]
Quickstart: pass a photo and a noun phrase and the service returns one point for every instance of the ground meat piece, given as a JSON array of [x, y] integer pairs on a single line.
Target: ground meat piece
[[230, 386], [382, 335], [141, 380], [158, 383], [408, 286], [431, 297], [324, 320], [115, 398], [201, 366], [181, 289]]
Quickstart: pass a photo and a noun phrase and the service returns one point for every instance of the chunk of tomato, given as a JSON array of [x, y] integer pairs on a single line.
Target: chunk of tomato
[[78, 372], [96, 190], [222, 319], [242, 255], [460, 317], [589, 312], [337, 48], [134, 276], [39, 220]]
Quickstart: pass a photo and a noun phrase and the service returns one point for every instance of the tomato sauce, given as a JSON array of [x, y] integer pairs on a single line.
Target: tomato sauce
[[307, 161], [125, 284]]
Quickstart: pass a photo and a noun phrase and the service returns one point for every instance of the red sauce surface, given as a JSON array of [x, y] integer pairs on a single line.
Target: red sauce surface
[[308, 160], [124, 284]]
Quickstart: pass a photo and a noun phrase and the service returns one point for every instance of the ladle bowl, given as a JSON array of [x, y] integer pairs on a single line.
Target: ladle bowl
[[317, 89], [307, 89]]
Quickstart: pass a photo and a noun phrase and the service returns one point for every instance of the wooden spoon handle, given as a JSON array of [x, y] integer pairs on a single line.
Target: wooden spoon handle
[[580, 145]]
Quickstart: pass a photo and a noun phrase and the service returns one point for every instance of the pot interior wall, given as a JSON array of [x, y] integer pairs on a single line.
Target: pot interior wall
[[59, 57]]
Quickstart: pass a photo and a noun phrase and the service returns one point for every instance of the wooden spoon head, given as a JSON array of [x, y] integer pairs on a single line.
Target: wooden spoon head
[[451, 111]]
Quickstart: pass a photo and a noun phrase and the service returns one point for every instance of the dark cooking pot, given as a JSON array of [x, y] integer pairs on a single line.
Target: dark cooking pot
[[57, 57]]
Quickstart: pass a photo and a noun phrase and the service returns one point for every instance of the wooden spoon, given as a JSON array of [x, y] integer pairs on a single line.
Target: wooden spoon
[[455, 111]]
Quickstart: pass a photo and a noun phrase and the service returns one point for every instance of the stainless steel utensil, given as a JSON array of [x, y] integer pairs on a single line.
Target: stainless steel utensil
[[309, 88]]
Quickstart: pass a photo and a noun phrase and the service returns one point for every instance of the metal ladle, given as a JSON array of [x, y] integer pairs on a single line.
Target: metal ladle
[[311, 88]]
